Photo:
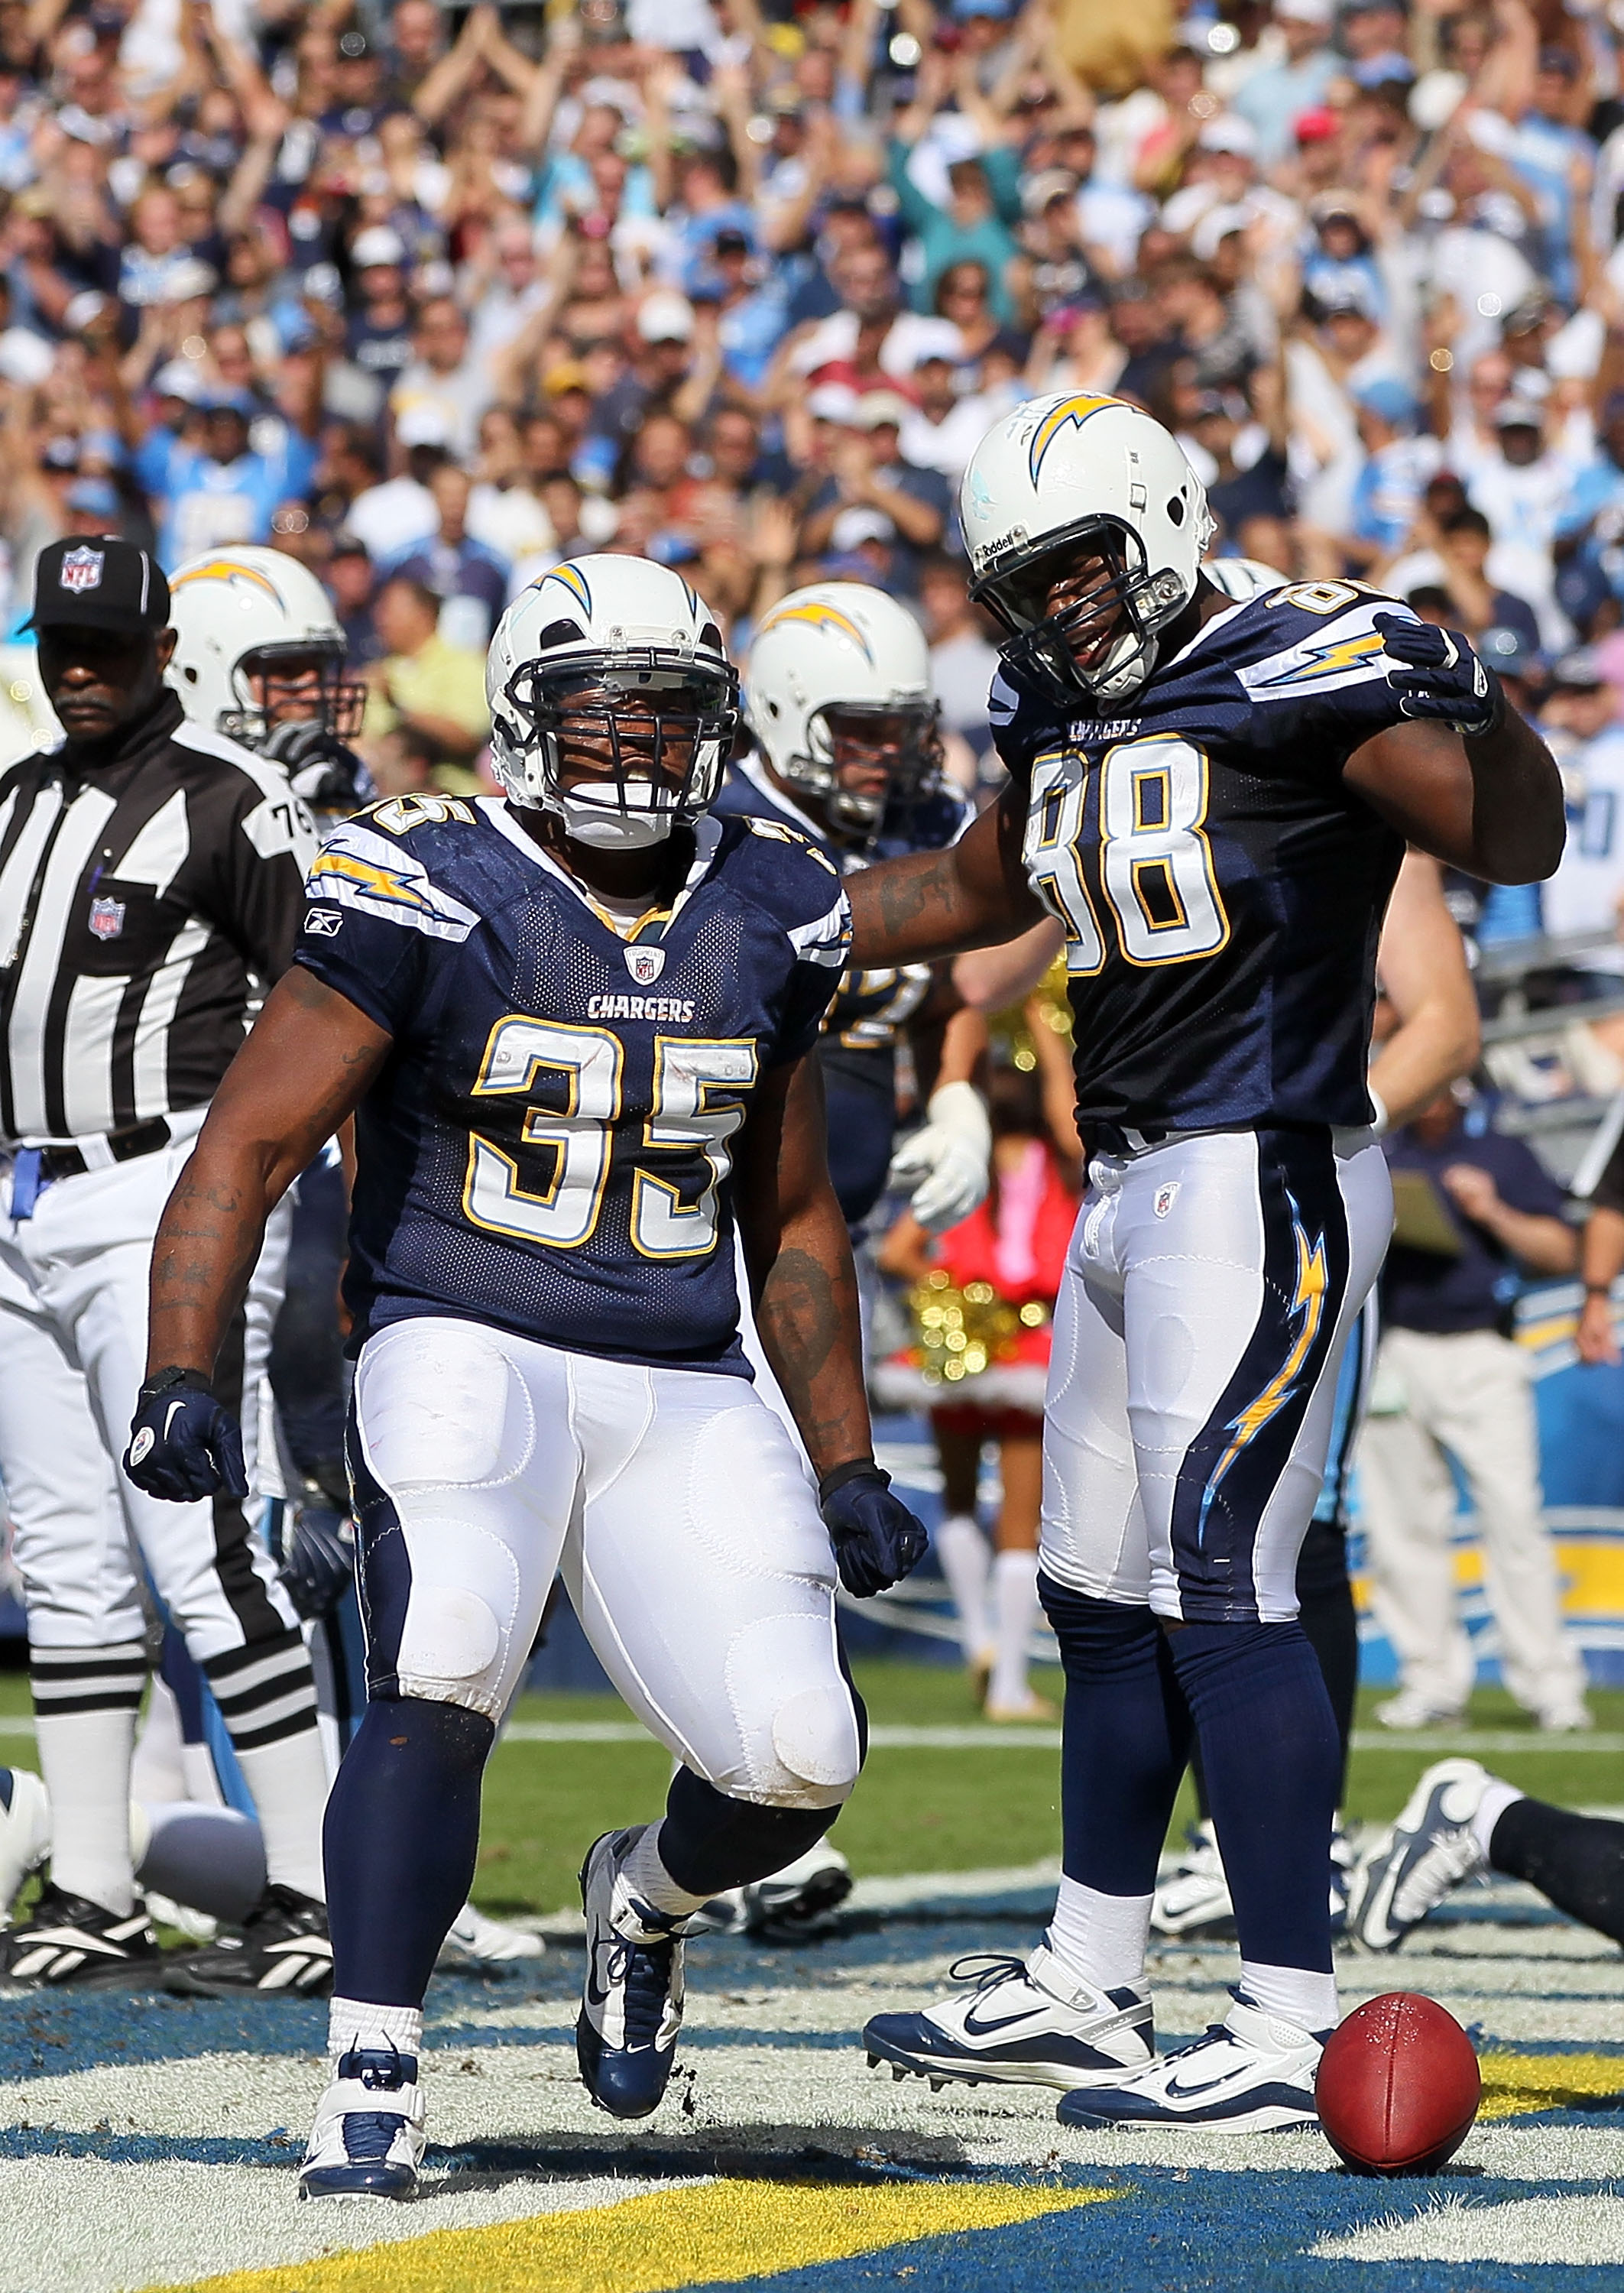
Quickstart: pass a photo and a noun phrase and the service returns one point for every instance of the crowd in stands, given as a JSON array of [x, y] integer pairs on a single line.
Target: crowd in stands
[[430, 297]]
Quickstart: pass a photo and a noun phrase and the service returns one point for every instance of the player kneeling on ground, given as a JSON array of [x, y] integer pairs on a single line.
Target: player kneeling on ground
[[562, 1020]]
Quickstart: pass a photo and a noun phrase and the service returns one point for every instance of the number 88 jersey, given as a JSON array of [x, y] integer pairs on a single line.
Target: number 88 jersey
[[548, 1147], [1222, 891]]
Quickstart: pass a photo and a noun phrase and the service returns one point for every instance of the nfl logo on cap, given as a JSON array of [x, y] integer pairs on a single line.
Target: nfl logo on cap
[[645, 964], [82, 568]]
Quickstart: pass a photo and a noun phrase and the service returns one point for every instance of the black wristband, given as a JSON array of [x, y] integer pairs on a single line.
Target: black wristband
[[166, 1380], [854, 1469]]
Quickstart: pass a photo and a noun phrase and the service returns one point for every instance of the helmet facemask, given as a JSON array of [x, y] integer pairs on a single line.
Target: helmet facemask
[[1113, 625], [301, 681], [621, 748], [900, 740]]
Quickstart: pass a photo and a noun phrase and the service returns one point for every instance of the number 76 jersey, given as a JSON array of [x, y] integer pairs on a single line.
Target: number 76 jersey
[[1222, 890], [548, 1147]]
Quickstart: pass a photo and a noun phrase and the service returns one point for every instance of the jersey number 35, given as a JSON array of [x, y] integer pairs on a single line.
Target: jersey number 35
[[1155, 867], [698, 1104]]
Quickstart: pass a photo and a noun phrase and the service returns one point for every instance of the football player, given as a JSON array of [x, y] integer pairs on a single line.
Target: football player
[[1214, 798], [574, 1025], [838, 693]]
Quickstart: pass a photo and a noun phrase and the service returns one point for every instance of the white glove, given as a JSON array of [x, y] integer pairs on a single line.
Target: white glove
[[943, 1164]]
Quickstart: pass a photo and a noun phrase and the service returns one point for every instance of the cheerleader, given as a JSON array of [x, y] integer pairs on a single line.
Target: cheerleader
[[982, 1298]]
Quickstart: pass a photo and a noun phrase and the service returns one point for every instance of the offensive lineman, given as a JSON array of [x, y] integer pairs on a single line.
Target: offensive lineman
[[1214, 798], [563, 1017], [150, 887]]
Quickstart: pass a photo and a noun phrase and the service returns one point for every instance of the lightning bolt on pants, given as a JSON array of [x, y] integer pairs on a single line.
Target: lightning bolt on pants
[[1210, 1289]]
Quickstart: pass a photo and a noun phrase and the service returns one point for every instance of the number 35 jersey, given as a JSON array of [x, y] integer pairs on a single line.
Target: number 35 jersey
[[1221, 889], [547, 1147]]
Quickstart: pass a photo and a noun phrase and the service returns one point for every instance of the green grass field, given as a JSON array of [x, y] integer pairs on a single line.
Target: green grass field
[[915, 1809]]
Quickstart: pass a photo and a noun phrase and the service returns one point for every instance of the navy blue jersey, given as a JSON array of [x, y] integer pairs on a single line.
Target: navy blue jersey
[[1221, 888], [546, 1148], [869, 1009]]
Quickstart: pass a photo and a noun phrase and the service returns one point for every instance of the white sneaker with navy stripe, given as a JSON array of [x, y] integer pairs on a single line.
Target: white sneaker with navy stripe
[[1025, 2023], [1252, 2073], [1423, 1858], [368, 2138]]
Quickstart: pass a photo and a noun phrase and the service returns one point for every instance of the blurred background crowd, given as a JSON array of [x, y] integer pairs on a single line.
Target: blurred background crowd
[[430, 296]]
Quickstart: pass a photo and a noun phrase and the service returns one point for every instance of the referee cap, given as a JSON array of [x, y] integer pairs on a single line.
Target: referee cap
[[104, 584]]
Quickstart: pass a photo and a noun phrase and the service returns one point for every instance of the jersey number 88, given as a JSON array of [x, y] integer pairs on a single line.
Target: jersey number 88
[[697, 1106], [1155, 861]]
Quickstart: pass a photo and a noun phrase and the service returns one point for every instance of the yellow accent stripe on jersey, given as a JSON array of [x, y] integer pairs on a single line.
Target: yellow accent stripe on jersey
[[713, 2234], [225, 568], [817, 615], [1309, 1301], [379, 883], [1325, 659], [1058, 418]]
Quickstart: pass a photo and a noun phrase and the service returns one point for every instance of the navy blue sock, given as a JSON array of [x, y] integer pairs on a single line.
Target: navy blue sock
[[401, 1834], [709, 1843], [1126, 1738], [1273, 1761]]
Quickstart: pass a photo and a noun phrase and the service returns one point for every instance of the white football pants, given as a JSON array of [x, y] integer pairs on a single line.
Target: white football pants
[[677, 1510], [1209, 1288], [1467, 1394], [73, 1350]]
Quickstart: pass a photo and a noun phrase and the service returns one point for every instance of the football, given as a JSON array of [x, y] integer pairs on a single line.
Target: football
[[1398, 2086]]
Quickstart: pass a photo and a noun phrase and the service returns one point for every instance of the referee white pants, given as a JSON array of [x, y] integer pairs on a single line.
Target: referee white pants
[[73, 1346], [1468, 1395], [1208, 1291], [677, 1510]]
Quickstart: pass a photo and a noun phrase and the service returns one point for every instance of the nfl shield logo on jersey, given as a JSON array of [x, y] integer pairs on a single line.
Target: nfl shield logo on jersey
[[81, 570], [645, 964], [1164, 1198], [107, 918]]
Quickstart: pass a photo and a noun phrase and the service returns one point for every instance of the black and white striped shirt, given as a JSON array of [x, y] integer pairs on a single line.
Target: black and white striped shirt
[[144, 908]]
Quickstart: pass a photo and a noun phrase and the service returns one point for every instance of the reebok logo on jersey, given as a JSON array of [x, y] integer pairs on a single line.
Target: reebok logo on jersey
[[639, 1006], [324, 923]]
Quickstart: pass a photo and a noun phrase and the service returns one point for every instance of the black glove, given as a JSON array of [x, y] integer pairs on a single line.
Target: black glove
[[318, 1556], [323, 771], [184, 1444], [1442, 678], [876, 1540]]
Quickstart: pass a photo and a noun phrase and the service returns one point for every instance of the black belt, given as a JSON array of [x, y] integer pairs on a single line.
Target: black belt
[[123, 1146], [1108, 1138]]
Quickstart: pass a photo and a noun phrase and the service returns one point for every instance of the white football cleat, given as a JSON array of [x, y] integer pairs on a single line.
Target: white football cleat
[[1252, 2073], [1411, 1710], [1423, 1857], [25, 1833], [368, 2138], [1025, 2023], [476, 1941], [1193, 1899]]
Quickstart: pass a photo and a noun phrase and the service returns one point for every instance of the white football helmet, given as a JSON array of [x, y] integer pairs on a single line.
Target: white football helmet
[[1244, 578], [240, 615], [1069, 476], [612, 671], [845, 648]]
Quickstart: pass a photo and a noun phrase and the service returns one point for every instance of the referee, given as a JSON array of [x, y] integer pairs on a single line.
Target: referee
[[151, 891]]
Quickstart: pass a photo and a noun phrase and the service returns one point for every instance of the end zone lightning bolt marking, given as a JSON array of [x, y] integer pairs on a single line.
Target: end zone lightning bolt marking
[[1308, 1303], [1073, 411]]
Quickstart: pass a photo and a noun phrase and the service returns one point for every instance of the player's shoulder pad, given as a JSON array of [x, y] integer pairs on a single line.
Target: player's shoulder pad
[[399, 878], [781, 872], [1310, 638], [273, 818]]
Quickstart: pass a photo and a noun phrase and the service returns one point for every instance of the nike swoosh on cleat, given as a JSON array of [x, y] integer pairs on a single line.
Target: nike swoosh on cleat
[[1177, 2092]]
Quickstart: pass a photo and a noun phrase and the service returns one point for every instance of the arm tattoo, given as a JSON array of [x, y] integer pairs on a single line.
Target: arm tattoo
[[809, 1325]]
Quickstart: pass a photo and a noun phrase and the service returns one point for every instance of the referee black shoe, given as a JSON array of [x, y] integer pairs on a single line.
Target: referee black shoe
[[282, 1951], [71, 1940]]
